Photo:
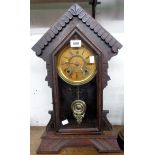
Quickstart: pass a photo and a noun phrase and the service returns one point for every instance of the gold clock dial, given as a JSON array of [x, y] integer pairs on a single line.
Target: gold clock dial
[[76, 66]]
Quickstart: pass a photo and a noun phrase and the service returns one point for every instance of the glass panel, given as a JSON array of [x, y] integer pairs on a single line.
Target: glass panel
[[68, 94], [77, 86]]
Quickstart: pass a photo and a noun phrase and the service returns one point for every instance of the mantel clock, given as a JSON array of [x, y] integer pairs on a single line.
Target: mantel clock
[[76, 50]]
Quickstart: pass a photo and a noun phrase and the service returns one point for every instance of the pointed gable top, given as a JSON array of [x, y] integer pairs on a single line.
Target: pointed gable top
[[76, 11]]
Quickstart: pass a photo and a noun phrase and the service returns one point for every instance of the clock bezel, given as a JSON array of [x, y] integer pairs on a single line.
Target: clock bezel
[[69, 81]]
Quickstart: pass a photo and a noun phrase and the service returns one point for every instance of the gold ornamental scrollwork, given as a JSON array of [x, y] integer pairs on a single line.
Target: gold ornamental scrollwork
[[78, 107]]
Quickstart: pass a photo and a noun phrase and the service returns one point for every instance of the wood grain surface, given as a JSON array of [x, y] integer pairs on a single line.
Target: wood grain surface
[[36, 132]]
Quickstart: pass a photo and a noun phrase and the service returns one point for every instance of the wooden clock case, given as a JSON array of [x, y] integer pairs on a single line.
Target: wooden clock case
[[96, 131]]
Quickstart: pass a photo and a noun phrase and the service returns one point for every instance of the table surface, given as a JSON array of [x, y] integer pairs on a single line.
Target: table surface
[[36, 132]]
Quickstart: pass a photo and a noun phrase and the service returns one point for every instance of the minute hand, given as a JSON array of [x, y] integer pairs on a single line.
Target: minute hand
[[77, 64]]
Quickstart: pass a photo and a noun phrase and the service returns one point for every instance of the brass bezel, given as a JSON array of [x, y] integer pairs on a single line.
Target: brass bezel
[[67, 80]]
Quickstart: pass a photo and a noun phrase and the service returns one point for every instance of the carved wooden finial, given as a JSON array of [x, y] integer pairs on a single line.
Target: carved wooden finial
[[75, 9]]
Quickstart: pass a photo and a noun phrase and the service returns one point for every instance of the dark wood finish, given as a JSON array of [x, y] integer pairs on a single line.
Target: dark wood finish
[[37, 131], [54, 143], [77, 22], [120, 138]]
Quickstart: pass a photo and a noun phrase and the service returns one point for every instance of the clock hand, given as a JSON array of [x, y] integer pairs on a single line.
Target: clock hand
[[72, 63], [65, 63], [69, 63], [76, 74], [76, 64], [71, 53], [66, 58], [83, 52], [87, 57]]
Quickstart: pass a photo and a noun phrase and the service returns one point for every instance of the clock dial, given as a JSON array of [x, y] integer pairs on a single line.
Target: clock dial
[[76, 66]]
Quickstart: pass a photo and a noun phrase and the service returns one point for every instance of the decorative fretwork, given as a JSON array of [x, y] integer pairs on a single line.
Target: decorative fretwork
[[76, 11]]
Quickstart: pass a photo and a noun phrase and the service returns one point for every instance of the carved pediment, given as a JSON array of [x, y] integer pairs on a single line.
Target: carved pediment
[[75, 11]]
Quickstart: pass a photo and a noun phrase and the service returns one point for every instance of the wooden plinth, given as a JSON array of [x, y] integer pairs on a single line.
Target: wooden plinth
[[54, 143]]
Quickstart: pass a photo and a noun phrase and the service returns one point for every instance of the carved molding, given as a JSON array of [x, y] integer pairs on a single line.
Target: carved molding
[[50, 124], [106, 124], [76, 11], [49, 73], [54, 143], [105, 76]]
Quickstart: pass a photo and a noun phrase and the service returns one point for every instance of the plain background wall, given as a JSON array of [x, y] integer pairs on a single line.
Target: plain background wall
[[41, 95]]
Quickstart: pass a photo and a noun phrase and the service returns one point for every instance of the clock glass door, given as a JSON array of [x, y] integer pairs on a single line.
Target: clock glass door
[[77, 82]]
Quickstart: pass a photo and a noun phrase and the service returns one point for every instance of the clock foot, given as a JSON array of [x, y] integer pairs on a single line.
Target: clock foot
[[54, 143]]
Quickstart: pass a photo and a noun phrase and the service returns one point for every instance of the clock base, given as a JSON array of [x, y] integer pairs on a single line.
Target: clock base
[[54, 143]]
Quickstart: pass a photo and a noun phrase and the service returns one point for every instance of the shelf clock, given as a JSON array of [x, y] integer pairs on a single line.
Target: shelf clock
[[76, 50]]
